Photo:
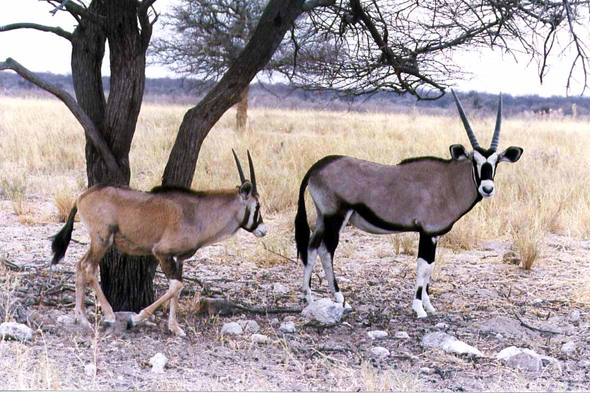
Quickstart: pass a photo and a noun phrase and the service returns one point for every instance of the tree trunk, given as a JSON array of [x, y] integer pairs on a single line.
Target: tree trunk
[[127, 281], [277, 18], [242, 112]]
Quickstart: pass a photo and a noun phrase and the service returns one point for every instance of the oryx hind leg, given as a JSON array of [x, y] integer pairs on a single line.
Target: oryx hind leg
[[333, 227], [426, 254], [312, 253], [98, 247]]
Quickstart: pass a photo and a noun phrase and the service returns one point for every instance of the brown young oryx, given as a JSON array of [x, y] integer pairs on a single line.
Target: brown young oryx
[[425, 194], [171, 223]]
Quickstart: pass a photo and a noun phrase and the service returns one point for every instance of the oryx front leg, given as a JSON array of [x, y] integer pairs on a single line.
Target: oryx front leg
[[172, 269], [426, 253]]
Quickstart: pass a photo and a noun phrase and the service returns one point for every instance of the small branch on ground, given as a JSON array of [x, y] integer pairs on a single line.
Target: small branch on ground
[[276, 253], [526, 325], [227, 307]]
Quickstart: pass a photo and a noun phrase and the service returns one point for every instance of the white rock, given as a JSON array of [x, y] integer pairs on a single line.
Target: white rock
[[499, 337], [441, 326], [568, 348], [324, 311], [449, 344], [402, 335], [275, 322], [15, 331], [380, 351], [260, 339], [231, 328], [575, 316], [158, 362], [66, 320], [280, 289], [287, 327], [523, 359], [585, 364], [90, 370], [376, 334], [249, 326]]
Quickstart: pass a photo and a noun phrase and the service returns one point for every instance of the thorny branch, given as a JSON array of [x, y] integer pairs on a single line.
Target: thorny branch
[[364, 47]]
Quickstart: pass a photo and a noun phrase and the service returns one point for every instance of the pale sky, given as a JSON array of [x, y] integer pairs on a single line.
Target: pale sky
[[47, 52]]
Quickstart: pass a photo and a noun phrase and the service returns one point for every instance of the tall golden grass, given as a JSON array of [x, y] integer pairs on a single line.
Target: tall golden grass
[[547, 191]]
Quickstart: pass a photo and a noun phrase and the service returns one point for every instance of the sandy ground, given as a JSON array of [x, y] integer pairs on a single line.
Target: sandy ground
[[480, 298]]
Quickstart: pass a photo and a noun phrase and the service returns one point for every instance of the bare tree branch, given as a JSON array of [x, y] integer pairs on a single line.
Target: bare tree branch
[[73, 106], [55, 30], [311, 4]]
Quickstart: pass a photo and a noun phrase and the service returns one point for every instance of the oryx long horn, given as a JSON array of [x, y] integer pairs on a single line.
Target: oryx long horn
[[252, 174], [470, 133], [242, 177], [496, 137]]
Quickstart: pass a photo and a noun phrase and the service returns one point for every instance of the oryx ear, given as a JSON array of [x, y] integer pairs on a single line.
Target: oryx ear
[[246, 189], [458, 152], [512, 154]]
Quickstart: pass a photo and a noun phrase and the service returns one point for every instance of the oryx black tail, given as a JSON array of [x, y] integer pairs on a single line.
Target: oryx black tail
[[302, 231], [62, 239]]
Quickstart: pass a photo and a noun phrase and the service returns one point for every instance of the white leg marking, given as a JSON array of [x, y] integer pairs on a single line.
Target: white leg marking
[[311, 258], [423, 272]]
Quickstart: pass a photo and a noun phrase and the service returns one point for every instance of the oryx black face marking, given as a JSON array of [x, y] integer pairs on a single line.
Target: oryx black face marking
[[425, 194]]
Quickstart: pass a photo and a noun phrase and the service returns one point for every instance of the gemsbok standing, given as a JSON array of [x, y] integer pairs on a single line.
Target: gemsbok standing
[[424, 194], [171, 223]]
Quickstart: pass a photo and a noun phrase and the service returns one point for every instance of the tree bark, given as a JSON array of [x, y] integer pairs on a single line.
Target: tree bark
[[242, 112], [127, 281], [277, 18]]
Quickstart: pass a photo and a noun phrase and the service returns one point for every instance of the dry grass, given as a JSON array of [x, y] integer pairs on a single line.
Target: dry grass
[[547, 191]]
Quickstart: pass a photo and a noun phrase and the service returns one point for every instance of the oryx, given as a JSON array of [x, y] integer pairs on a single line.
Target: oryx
[[424, 194], [171, 223]]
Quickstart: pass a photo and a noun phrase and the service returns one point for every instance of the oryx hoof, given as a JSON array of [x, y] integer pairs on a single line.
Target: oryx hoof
[[178, 332], [131, 322], [347, 308]]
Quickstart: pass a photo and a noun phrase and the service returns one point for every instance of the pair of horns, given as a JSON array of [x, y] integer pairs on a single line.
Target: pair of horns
[[252, 175], [471, 134]]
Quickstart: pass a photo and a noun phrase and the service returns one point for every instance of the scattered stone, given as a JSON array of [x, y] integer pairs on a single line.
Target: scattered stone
[[380, 352], [575, 316], [499, 337], [260, 339], [377, 334], [15, 331], [280, 289], [449, 344], [90, 370], [158, 362], [511, 257], [324, 311], [402, 335], [426, 370], [231, 328], [289, 318], [287, 327], [554, 363], [568, 348], [66, 320], [441, 326], [585, 364], [275, 322], [249, 326], [523, 359]]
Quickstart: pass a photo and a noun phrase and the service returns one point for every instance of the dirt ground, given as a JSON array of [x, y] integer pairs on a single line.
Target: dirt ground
[[480, 298]]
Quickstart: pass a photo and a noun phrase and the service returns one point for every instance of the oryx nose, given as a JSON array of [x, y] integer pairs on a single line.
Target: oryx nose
[[488, 189]]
